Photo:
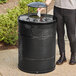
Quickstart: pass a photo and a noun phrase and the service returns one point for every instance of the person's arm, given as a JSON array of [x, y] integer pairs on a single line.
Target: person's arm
[[48, 2]]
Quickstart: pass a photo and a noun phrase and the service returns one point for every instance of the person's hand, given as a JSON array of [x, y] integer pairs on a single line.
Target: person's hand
[[47, 4], [40, 9], [43, 9]]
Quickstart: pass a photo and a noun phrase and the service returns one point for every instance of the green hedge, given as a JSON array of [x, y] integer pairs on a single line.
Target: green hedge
[[8, 22], [3, 1]]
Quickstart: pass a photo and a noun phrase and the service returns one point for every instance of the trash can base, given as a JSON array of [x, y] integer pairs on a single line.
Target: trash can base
[[37, 66], [36, 72]]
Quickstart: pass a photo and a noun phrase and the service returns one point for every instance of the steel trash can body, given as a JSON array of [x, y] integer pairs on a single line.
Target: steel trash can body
[[37, 44], [37, 37]]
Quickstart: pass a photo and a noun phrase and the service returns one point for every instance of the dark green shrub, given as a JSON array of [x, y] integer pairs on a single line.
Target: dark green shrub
[[8, 22], [3, 1]]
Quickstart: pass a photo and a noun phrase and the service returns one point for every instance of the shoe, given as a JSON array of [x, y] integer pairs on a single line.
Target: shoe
[[61, 60], [73, 59]]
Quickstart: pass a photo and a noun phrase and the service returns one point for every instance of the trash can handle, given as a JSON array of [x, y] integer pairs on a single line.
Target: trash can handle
[[37, 5]]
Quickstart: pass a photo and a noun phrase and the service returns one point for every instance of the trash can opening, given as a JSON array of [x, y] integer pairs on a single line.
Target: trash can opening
[[35, 19]]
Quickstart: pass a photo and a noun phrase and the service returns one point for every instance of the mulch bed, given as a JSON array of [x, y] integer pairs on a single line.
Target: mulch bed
[[4, 46], [3, 9], [9, 4]]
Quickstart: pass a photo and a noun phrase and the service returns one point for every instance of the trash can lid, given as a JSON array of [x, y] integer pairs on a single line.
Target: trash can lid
[[37, 5], [31, 19]]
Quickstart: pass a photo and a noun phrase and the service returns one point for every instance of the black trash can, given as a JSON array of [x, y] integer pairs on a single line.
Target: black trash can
[[37, 39]]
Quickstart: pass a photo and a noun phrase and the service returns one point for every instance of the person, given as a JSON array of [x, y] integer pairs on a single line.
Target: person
[[65, 11]]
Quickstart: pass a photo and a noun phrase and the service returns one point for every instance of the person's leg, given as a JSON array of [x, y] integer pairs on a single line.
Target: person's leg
[[70, 19], [60, 34]]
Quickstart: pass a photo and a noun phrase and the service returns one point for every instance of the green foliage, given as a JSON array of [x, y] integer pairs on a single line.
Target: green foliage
[[9, 24], [3, 1]]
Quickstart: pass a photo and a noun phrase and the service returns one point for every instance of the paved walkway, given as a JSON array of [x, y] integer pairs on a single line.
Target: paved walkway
[[9, 62]]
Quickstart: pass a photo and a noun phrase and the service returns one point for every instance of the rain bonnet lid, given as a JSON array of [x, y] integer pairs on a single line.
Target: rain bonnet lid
[[37, 5]]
